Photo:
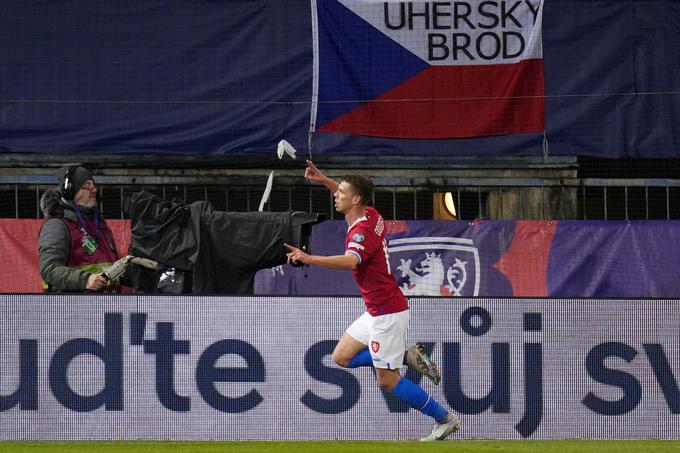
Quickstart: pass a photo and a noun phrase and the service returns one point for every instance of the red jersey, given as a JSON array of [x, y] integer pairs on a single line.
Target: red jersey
[[366, 239]]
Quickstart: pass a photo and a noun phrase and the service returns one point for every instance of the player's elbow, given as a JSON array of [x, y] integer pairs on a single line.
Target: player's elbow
[[351, 261]]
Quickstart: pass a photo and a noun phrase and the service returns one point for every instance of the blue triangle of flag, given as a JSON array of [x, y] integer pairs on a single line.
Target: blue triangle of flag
[[357, 62]]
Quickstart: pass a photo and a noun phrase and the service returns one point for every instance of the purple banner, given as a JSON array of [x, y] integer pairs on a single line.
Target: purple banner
[[498, 258]]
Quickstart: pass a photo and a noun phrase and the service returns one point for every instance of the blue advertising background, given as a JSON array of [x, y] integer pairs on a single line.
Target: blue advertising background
[[234, 77]]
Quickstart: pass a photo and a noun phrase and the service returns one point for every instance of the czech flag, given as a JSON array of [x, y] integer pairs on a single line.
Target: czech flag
[[428, 69]]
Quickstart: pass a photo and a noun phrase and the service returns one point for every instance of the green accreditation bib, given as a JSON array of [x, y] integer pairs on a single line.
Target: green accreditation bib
[[90, 245]]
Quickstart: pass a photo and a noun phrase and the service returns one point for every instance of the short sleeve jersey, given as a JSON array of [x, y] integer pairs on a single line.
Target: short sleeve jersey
[[366, 239]]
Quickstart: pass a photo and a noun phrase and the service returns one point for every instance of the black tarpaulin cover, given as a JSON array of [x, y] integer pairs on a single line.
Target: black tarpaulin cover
[[223, 250]]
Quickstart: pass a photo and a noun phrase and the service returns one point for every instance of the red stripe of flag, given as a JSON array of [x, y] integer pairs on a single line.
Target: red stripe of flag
[[454, 102]]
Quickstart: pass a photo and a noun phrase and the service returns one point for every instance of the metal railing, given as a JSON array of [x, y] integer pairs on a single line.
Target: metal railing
[[396, 198]]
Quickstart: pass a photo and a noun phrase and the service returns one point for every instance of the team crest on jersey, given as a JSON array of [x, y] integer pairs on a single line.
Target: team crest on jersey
[[358, 237], [441, 266], [375, 346]]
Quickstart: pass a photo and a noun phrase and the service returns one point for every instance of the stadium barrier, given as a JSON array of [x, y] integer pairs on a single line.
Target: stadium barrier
[[448, 258], [236, 368]]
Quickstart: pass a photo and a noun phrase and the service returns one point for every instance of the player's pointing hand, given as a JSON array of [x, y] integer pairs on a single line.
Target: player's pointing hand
[[296, 255]]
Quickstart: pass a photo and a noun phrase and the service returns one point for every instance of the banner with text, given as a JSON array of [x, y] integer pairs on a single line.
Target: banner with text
[[376, 78], [143, 367], [428, 70]]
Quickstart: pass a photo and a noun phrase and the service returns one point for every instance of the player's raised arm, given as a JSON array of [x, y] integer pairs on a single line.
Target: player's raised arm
[[314, 174]]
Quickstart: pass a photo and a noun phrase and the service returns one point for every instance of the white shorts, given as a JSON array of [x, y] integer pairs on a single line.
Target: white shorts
[[385, 337]]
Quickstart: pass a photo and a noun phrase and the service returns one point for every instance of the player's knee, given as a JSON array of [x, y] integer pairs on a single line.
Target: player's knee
[[340, 359], [386, 384], [387, 379]]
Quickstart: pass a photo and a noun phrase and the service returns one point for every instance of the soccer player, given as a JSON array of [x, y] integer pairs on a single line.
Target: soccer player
[[378, 337]]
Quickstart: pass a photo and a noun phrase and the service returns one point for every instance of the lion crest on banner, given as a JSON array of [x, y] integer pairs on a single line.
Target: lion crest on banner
[[445, 266]]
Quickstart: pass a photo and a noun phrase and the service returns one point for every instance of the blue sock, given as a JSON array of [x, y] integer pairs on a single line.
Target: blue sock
[[363, 358], [419, 399]]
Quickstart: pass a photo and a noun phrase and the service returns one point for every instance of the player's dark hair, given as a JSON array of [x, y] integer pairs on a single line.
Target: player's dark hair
[[361, 186]]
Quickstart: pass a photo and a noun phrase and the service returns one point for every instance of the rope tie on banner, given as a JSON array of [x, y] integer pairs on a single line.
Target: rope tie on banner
[[309, 143], [546, 153]]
